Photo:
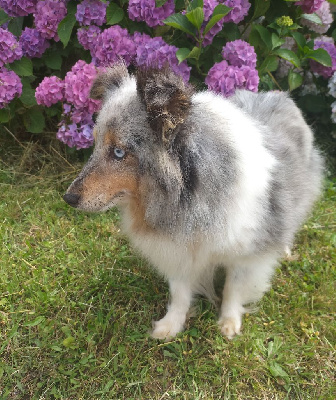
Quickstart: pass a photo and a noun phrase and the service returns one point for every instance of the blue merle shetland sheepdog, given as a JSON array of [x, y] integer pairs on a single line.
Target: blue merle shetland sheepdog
[[201, 181]]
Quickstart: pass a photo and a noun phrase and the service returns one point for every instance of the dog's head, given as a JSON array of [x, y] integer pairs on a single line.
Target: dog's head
[[140, 119]]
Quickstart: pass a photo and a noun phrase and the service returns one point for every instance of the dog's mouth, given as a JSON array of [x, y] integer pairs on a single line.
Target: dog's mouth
[[94, 205]]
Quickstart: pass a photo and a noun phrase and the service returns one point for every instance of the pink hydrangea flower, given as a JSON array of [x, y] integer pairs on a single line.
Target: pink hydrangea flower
[[324, 13], [224, 78], [320, 69], [309, 6], [50, 91], [77, 83], [10, 86], [18, 8], [91, 12], [113, 44], [10, 48], [146, 10], [33, 43], [239, 10], [88, 36], [49, 13], [239, 53]]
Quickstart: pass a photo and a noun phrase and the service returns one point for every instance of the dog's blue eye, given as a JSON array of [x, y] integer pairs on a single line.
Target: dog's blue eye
[[119, 153]]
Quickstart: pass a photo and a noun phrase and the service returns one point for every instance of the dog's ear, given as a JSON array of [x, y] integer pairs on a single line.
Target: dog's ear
[[167, 99], [108, 81]]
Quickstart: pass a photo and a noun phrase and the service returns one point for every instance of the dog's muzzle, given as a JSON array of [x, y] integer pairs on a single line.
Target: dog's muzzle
[[71, 199]]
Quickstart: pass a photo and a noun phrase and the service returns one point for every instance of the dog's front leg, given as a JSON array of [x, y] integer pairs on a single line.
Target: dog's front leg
[[180, 301]]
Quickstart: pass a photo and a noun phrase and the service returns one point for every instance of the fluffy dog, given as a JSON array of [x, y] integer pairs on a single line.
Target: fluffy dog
[[201, 181]]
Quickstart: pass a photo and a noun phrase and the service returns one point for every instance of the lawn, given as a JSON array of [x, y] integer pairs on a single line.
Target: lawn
[[76, 305]]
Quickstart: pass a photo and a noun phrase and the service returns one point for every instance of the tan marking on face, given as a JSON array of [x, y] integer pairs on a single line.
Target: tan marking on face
[[110, 139]]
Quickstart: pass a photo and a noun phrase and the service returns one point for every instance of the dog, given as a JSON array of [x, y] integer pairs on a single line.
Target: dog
[[201, 181]]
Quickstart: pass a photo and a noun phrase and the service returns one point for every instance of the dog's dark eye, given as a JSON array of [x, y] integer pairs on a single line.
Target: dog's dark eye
[[119, 154]]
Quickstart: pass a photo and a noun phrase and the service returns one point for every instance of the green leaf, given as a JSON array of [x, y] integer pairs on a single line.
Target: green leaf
[[196, 17], [159, 3], [36, 321], [194, 4], [53, 61], [15, 26], [312, 18], [276, 370], [321, 56], [181, 22], [184, 53], [288, 55], [219, 12], [28, 93], [264, 34], [22, 67], [269, 64], [4, 115], [3, 17], [69, 342], [276, 41], [35, 121], [114, 14], [300, 39], [260, 8], [294, 80], [65, 28]]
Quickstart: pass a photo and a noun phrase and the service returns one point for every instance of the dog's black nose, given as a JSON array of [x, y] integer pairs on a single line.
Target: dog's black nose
[[71, 199]]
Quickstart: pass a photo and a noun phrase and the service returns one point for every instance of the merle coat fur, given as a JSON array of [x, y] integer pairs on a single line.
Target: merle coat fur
[[201, 182]]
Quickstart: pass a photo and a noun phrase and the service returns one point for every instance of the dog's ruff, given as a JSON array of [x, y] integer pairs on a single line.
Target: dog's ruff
[[205, 182]]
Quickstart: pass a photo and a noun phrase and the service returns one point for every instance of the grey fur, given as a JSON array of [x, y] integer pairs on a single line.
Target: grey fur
[[192, 164]]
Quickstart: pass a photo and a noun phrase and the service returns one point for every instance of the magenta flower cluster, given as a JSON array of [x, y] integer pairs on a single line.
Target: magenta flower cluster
[[309, 6], [238, 71], [18, 8], [91, 12], [10, 48], [48, 15], [146, 10], [320, 69], [33, 43], [10, 86], [239, 10]]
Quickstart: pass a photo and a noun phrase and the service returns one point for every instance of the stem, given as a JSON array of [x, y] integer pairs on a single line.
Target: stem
[[274, 80]]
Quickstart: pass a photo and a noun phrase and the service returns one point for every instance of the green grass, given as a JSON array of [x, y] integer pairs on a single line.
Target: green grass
[[76, 305]]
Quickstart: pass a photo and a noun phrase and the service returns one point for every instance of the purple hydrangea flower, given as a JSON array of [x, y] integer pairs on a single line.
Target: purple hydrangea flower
[[155, 52], [10, 48], [320, 69], [78, 82], [239, 53], [208, 7], [326, 17], [33, 43], [74, 132], [145, 10], [224, 78], [239, 10], [309, 6], [50, 91], [91, 12], [18, 8], [114, 44], [88, 36], [49, 13], [10, 86]]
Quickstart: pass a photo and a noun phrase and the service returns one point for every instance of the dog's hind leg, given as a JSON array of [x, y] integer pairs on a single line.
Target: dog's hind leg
[[247, 279], [173, 321]]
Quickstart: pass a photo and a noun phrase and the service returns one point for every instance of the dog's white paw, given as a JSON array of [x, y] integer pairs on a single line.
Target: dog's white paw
[[230, 326], [165, 329]]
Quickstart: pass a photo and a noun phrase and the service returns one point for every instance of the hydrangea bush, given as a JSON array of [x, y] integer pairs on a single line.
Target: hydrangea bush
[[51, 51]]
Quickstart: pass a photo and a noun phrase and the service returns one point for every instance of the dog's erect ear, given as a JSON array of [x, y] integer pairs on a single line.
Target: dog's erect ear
[[167, 99], [108, 81]]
